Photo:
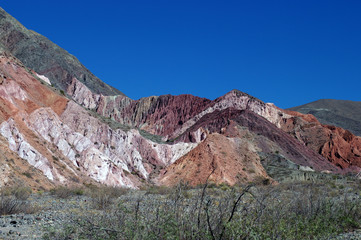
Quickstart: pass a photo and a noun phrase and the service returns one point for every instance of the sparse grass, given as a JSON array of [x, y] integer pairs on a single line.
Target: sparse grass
[[111, 123], [297, 210], [160, 190], [152, 137]]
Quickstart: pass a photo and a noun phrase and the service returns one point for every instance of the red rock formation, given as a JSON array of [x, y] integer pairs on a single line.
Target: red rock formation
[[68, 143], [34, 118], [219, 122], [339, 146], [171, 116], [222, 159]]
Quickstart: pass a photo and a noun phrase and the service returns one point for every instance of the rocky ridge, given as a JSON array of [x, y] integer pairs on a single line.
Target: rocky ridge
[[150, 115], [46, 58], [341, 113]]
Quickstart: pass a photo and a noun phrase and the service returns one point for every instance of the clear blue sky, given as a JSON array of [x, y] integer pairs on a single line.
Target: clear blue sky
[[287, 52]]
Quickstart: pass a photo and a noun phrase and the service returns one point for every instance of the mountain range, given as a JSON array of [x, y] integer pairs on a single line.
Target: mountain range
[[59, 124]]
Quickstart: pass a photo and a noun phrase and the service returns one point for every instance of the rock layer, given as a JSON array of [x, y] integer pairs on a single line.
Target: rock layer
[[171, 116]]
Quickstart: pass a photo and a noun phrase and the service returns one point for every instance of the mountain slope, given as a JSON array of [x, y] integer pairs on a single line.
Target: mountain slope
[[67, 143], [71, 144], [46, 58], [171, 116], [80, 134], [341, 113]]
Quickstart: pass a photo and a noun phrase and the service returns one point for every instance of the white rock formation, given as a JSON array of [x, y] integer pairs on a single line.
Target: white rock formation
[[18, 144]]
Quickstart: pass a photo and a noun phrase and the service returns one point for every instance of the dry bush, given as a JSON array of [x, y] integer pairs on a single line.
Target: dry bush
[[302, 210], [65, 192], [13, 200], [22, 193], [12, 205], [19, 192], [161, 190], [103, 197]]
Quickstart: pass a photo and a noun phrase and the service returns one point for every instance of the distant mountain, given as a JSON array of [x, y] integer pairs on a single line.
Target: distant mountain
[[46, 58], [341, 113]]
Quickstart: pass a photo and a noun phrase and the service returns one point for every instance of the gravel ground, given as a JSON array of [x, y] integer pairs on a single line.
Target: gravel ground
[[54, 212], [355, 235]]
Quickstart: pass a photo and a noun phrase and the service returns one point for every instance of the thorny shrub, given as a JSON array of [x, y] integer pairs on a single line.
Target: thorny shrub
[[302, 210]]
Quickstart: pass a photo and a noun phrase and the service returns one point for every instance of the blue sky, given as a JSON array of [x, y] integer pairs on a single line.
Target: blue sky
[[285, 52]]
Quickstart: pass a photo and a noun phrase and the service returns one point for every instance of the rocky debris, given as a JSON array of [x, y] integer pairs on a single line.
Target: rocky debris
[[87, 145], [227, 122], [354, 235], [159, 115], [172, 116], [82, 95], [54, 212]]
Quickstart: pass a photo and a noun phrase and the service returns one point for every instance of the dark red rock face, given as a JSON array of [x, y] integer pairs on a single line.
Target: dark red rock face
[[164, 115], [219, 121], [171, 112], [158, 115]]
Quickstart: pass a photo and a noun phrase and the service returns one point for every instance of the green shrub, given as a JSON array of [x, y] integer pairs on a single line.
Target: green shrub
[[28, 174], [12, 205]]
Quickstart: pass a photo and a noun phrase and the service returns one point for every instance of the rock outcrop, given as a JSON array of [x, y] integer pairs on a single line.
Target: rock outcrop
[[171, 116], [60, 132]]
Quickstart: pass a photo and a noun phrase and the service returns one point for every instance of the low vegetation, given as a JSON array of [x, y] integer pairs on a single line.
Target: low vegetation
[[298, 210], [104, 197], [66, 192], [13, 200]]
